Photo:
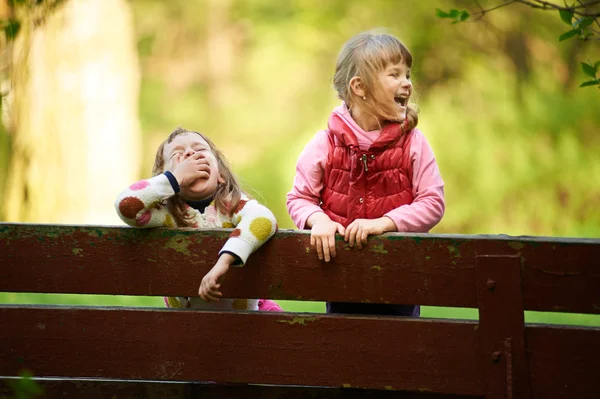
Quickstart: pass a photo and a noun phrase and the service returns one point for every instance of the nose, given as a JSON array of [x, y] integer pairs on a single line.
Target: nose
[[188, 153], [406, 83]]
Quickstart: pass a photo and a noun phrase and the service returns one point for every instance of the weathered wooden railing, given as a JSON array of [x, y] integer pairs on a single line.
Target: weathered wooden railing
[[123, 352]]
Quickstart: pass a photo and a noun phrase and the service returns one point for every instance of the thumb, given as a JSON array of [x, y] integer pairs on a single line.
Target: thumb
[[340, 229]]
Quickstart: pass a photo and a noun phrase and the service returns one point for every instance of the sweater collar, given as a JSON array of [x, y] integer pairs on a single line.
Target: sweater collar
[[344, 128], [201, 205]]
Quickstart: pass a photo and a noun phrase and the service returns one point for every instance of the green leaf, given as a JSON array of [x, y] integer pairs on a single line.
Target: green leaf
[[566, 16], [11, 29], [596, 65], [456, 15], [568, 35], [590, 83], [464, 15], [584, 22], [441, 14], [588, 69]]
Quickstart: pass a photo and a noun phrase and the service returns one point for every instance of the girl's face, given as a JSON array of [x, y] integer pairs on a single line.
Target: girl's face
[[184, 146], [397, 87]]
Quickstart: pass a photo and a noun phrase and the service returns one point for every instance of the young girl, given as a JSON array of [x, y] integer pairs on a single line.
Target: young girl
[[193, 186], [371, 171]]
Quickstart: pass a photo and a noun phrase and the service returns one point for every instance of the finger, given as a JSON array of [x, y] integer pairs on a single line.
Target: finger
[[340, 229], [208, 293], [361, 237], [211, 298], [202, 175], [352, 235], [213, 286], [364, 236], [312, 241], [326, 249], [331, 243], [357, 237], [319, 248], [201, 294], [348, 230]]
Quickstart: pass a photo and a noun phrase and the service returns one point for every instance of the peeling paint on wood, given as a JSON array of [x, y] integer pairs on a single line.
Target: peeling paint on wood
[[150, 345], [423, 270], [302, 320], [378, 249], [516, 245]]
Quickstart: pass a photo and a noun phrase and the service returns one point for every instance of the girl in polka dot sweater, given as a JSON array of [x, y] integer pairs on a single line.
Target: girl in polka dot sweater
[[193, 186]]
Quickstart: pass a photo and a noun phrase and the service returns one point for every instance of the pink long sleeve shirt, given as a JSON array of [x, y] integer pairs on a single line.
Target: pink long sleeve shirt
[[420, 216]]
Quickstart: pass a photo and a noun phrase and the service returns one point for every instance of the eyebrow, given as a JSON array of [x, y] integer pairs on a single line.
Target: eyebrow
[[174, 149], [180, 147], [397, 68]]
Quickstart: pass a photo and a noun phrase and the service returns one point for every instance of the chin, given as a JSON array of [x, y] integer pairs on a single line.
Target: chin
[[198, 193], [402, 116]]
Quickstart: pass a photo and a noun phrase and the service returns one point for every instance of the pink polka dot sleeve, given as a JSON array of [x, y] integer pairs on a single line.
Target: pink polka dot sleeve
[[140, 204]]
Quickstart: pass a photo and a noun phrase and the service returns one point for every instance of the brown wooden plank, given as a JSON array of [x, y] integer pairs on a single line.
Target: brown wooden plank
[[502, 326], [564, 362], [558, 274], [265, 348], [115, 389]]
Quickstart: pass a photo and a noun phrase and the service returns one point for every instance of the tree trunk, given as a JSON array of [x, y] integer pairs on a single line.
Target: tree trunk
[[77, 136]]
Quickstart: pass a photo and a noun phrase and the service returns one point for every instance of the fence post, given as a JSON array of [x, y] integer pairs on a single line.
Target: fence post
[[502, 326]]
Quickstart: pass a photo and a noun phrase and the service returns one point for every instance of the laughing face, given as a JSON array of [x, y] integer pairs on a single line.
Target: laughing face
[[397, 87]]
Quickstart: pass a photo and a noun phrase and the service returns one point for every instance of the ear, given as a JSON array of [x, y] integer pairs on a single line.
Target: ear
[[220, 180], [357, 86]]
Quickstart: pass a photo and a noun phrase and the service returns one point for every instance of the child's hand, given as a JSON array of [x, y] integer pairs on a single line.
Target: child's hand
[[209, 287], [360, 229], [188, 170], [322, 235]]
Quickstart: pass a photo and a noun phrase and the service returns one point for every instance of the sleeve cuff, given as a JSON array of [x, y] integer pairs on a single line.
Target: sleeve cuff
[[162, 187], [239, 248], [173, 181], [238, 261]]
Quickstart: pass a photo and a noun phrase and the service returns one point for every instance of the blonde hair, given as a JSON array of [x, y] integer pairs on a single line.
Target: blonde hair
[[227, 196], [364, 56]]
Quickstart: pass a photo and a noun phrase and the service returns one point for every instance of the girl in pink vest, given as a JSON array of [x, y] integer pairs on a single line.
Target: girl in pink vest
[[193, 186], [371, 171]]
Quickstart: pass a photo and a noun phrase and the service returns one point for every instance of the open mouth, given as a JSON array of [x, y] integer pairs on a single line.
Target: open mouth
[[401, 99]]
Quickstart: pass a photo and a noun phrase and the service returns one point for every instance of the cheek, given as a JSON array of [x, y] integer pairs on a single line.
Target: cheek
[[169, 165]]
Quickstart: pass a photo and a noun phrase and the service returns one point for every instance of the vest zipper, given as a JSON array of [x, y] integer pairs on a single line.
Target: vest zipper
[[364, 159]]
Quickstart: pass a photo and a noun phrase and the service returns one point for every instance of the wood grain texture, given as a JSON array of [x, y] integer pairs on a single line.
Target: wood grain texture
[[557, 274], [115, 389], [564, 362], [263, 348], [502, 326]]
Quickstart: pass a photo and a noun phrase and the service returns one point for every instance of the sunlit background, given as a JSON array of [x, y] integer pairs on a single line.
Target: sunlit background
[[91, 87]]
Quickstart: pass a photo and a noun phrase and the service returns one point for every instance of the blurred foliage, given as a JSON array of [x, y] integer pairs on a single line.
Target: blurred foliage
[[582, 17], [515, 141], [25, 387]]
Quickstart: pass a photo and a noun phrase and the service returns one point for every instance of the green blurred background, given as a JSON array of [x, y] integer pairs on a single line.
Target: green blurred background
[[516, 140]]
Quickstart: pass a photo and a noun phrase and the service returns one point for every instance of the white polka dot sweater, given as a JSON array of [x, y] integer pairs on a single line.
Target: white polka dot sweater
[[143, 205]]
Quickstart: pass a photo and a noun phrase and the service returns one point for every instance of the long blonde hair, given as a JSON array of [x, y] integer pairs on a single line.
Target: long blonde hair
[[227, 196], [365, 56]]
